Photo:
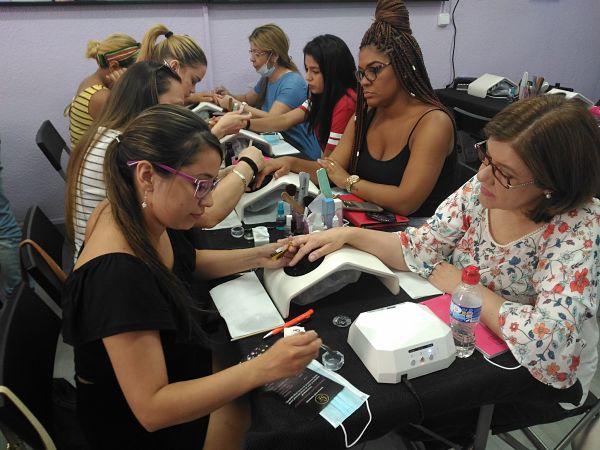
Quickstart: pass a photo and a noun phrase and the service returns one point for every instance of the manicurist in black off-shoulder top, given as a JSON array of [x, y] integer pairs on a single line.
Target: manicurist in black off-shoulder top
[[143, 369]]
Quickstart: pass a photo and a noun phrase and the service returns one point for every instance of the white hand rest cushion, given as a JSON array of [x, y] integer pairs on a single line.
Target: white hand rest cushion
[[283, 288], [268, 195]]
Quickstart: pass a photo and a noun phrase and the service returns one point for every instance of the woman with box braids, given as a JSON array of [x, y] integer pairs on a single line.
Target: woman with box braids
[[400, 151], [392, 35]]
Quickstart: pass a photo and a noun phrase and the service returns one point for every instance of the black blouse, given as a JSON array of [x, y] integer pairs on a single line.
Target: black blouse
[[116, 293], [392, 170]]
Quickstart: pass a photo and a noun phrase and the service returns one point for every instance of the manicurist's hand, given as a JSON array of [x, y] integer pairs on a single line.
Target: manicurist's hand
[[288, 356]]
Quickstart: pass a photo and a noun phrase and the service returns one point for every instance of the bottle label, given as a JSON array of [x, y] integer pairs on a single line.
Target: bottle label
[[464, 314]]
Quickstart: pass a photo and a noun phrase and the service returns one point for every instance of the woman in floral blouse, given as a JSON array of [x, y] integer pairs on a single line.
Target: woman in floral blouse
[[529, 215]]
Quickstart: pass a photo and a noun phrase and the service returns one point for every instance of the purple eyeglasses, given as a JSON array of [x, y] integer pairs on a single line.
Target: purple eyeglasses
[[203, 187]]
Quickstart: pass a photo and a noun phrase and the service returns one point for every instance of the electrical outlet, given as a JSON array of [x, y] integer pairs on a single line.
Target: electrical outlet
[[443, 19]]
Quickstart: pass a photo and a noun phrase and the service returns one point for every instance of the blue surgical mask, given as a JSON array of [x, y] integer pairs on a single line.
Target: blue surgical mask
[[265, 70], [344, 404]]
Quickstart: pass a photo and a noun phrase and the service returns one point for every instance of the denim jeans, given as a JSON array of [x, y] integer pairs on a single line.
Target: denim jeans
[[10, 236]]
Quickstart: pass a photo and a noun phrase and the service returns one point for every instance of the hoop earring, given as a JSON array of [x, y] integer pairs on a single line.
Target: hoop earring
[[548, 195], [144, 203]]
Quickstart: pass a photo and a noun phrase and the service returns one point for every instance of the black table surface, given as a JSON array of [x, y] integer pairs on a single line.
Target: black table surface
[[467, 384]]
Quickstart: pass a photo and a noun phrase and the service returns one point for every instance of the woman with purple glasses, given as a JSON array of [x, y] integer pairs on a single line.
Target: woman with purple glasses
[[142, 359]]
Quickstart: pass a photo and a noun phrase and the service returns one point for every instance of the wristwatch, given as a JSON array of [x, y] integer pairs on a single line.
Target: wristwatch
[[351, 181]]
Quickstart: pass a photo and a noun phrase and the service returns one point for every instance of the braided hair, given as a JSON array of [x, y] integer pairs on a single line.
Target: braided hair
[[390, 33]]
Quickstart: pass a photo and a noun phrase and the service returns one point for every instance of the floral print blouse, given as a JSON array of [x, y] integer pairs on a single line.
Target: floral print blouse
[[549, 279]]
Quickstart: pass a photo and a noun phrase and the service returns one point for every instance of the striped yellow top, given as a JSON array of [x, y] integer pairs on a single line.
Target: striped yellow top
[[79, 116]]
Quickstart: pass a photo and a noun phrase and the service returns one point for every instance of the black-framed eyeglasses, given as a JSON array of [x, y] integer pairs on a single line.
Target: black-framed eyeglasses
[[501, 177], [370, 73]]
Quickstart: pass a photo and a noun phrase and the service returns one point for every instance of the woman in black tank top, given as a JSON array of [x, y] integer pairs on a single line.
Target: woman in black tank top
[[400, 151], [391, 171]]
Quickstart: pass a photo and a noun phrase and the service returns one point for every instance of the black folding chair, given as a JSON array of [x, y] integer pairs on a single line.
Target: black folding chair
[[52, 145], [591, 410], [42, 253], [28, 335]]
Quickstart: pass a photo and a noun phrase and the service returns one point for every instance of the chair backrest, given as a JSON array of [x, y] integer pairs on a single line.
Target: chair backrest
[[52, 145], [38, 228], [29, 332]]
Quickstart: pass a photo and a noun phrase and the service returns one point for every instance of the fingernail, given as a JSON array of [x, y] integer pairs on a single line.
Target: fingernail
[[311, 257]]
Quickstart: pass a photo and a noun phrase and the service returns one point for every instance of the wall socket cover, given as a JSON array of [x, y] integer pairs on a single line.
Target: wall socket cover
[[443, 19]]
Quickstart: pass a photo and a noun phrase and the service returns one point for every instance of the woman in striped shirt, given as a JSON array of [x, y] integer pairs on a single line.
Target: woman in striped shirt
[[113, 55], [332, 101], [143, 85]]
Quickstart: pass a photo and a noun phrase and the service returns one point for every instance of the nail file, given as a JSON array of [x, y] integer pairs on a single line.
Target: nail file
[[303, 179], [324, 183], [293, 203]]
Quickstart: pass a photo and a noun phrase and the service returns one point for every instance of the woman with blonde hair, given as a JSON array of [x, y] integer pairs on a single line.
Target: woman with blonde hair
[[182, 53], [280, 89], [113, 55], [144, 85], [185, 57]]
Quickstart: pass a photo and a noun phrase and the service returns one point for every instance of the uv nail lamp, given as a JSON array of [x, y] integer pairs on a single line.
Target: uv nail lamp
[[317, 283], [205, 109], [404, 339], [246, 137], [263, 201]]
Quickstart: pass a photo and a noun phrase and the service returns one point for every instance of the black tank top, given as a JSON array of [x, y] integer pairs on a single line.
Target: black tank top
[[392, 170]]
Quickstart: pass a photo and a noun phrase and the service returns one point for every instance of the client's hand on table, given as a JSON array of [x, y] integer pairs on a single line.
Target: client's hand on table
[[445, 277], [281, 167], [288, 356], [225, 101], [199, 97], [230, 123], [319, 244], [336, 173]]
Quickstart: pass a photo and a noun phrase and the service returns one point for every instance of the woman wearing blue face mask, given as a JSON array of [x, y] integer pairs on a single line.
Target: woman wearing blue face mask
[[280, 89]]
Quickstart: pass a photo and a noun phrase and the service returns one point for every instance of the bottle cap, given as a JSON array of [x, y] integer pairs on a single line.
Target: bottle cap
[[470, 275]]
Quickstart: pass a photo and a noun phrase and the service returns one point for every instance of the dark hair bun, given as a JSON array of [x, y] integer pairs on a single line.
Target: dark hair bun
[[394, 13]]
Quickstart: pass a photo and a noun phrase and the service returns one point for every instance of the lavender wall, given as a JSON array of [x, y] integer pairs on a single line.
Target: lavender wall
[[42, 48]]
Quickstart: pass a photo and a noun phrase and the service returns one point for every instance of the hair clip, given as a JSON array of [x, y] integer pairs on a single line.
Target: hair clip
[[118, 139]]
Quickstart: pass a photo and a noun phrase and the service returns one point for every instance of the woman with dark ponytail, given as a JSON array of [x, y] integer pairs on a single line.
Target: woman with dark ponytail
[[141, 358], [330, 71], [400, 151]]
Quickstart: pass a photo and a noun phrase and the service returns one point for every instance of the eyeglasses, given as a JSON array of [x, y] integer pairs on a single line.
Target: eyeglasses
[[370, 73], [257, 53], [503, 179], [203, 187]]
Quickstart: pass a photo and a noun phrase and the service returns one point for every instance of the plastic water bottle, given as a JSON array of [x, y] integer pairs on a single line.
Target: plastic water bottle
[[465, 309]]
